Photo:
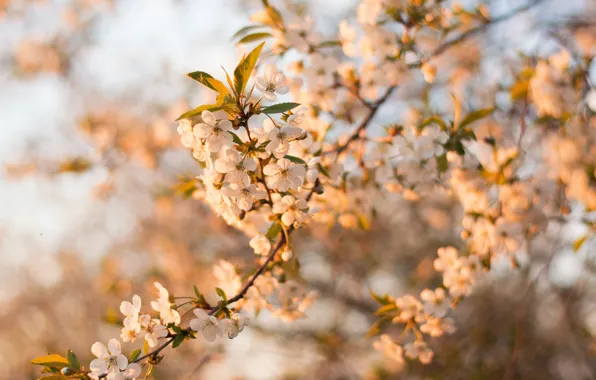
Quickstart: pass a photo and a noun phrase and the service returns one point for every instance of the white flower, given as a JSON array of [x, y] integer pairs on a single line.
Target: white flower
[[321, 70], [284, 175], [153, 328], [206, 324], [164, 307], [436, 327], [292, 210], [280, 140], [591, 99], [435, 302], [233, 326], [260, 244], [389, 348], [272, 82], [347, 36], [418, 349], [244, 193], [234, 166], [300, 35], [131, 310], [409, 308], [216, 134], [109, 359], [312, 173], [185, 131], [298, 116]]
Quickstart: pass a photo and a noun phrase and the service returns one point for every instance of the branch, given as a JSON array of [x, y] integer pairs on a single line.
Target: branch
[[481, 28]]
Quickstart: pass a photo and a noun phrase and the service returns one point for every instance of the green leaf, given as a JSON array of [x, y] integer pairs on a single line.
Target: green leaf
[[433, 120], [197, 111], [134, 355], [476, 115], [295, 159], [254, 37], [273, 231], [237, 139], [244, 30], [374, 330], [222, 294], [386, 309], [51, 361], [323, 171], [197, 293], [178, 340], [579, 242], [149, 370], [245, 68], [204, 79], [73, 361], [279, 108], [442, 163]]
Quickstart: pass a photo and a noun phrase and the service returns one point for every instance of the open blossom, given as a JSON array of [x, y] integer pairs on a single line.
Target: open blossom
[[231, 327], [260, 244], [111, 362], [321, 71], [272, 82], [389, 348], [419, 350], [244, 193], [284, 175], [436, 327], [408, 307], [436, 302], [131, 310], [280, 138], [301, 35], [154, 330], [164, 307], [186, 134], [216, 134], [235, 166], [347, 36], [292, 210], [205, 324]]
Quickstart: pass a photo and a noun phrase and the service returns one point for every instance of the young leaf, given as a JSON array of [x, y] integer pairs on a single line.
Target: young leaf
[[476, 115], [197, 111], [245, 68], [203, 78], [51, 361], [178, 340], [295, 159], [134, 355], [222, 294], [254, 37], [244, 30], [73, 361], [273, 231], [279, 108], [237, 139], [197, 293]]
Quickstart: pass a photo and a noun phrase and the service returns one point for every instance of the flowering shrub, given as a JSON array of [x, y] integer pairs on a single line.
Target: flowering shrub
[[270, 167]]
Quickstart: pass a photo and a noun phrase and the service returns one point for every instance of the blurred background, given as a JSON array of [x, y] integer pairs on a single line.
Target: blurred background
[[90, 210]]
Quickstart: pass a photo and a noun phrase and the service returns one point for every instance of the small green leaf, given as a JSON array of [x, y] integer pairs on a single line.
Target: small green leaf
[[296, 160], [386, 309], [203, 78], [197, 293], [433, 120], [476, 115], [149, 370], [273, 231], [323, 171], [178, 340], [246, 29], [134, 355], [222, 294], [579, 242], [374, 330], [73, 361], [442, 163], [237, 139], [197, 111], [51, 361], [245, 68], [279, 108], [254, 37]]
